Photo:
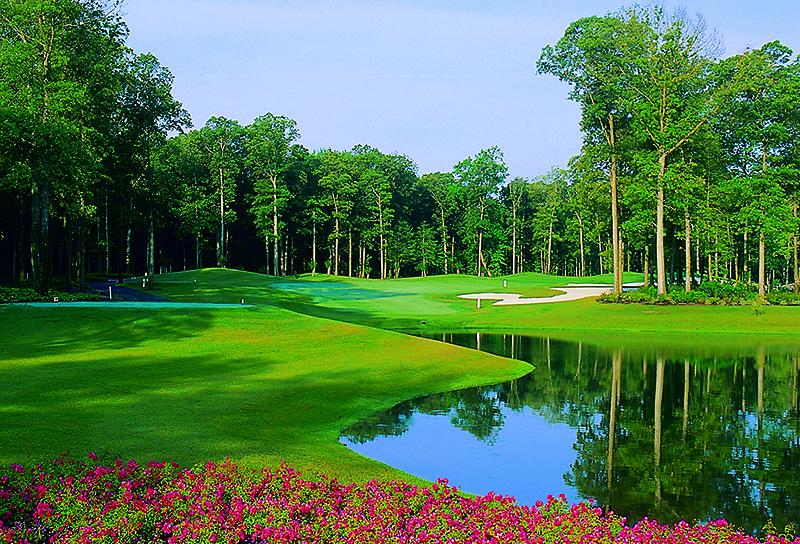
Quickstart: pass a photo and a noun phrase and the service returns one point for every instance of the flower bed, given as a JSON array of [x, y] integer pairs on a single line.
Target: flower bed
[[78, 502]]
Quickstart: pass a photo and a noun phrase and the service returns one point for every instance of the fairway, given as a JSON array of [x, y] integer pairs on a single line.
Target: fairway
[[261, 385], [277, 379], [403, 305]]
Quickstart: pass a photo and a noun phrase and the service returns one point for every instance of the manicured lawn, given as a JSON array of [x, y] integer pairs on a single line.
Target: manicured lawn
[[263, 384], [403, 305], [260, 384]]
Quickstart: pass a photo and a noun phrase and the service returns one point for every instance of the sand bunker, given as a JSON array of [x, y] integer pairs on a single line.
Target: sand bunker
[[570, 292]]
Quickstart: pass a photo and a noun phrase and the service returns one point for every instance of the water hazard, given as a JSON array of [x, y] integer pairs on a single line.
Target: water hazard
[[672, 432]]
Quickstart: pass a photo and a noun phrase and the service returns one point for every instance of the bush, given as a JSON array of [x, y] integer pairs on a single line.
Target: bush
[[714, 293], [77, 502], [21, 294]]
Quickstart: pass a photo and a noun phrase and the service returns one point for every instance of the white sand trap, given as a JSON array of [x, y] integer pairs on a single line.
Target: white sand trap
[[567, 293]]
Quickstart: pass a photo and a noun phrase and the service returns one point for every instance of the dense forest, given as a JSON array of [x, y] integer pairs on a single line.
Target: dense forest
[[688, 170]]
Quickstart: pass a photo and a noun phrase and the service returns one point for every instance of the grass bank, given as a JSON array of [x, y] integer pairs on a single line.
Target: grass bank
[[261, 385]]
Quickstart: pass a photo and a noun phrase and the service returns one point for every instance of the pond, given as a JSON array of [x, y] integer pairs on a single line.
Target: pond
[[671, 432]]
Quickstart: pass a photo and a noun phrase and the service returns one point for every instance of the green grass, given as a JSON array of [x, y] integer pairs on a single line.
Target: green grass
[[261, 385], [277, 379], [403, 304]]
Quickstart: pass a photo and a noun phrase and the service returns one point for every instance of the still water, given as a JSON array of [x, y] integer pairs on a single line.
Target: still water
[[671, 432]]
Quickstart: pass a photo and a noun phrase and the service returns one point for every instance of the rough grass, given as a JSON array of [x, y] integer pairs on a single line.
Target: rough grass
[[261, 384]]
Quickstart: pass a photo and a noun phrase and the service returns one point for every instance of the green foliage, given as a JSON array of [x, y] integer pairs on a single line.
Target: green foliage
[[714, 293], [22, 294], [97, 171]]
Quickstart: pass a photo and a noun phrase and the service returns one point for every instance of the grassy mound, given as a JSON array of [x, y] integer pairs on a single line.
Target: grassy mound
[[259, 384]]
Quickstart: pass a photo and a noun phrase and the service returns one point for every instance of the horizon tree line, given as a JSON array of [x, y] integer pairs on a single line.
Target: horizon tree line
[[687, 173]]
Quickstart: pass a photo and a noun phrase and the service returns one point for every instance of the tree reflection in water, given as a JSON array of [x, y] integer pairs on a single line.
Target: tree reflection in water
[[668, 432]]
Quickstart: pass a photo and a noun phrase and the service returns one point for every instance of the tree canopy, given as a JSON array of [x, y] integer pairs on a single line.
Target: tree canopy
[[688, 168]]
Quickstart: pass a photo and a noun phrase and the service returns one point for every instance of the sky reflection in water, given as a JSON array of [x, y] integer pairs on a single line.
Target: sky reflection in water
[[433, 448], [671, 432]]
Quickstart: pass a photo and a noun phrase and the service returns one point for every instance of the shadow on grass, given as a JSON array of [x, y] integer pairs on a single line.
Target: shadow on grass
[[350, 315], [29, 332], [189, 408]]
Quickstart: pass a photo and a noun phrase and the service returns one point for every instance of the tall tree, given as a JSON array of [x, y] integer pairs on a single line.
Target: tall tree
[[482, 176], [516, 194], [269, 156], [222, 140], [148, 113], [758, 130], [670, 93], [43, 48], [441, 187], [588, 57], [338, 176]]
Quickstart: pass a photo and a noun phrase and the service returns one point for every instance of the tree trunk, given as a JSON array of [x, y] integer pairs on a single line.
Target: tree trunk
[[480, 252], [616, 381], [514, 240], [481, 260], [657, 425], [444, 240], [276, 263], [40, 233], [17, 246], [647, 265], [745, 261], [582, 249], [661, 269], [313, 244], [686, 368], [794, 240], [69, 265], [600, 252], [151, 246], [615, 222], [221, 239], [712, 264], [336, 237], [550, 249], [128, 263], [266, 255], [762, 265], [108, 242], [81, 251], [688, 251]]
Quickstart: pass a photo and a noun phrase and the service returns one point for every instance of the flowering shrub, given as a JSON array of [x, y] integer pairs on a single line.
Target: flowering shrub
[[77, 502]]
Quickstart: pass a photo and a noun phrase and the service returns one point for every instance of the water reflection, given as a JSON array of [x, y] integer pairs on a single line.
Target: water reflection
[[669, 432]]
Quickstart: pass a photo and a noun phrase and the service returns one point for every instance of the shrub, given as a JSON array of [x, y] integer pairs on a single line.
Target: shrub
[[76, 502], [707, 292], [21, 294]]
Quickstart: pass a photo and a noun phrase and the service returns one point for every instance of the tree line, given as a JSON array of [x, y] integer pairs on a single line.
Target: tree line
[[687, 169]]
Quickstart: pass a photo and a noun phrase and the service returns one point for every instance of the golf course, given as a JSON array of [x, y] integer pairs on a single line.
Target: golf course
[[237, 369], [275, 379]]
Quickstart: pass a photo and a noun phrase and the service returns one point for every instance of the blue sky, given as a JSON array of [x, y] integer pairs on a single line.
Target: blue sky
[[436, 80]]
